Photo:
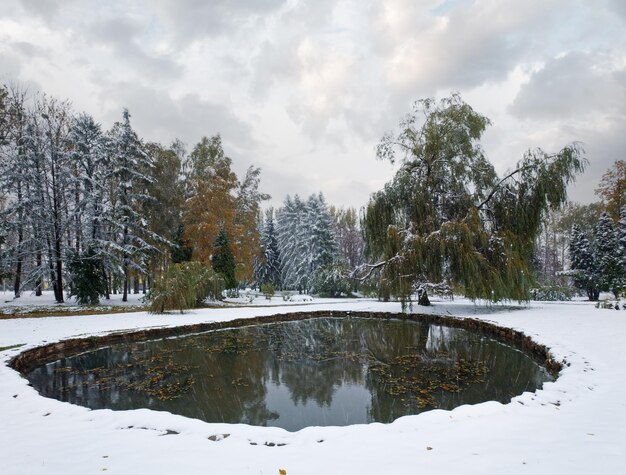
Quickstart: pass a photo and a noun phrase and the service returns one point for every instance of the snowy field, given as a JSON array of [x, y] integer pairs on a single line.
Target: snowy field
[[576, 425]]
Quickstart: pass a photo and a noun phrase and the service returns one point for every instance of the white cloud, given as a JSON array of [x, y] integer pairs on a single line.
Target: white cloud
[[306, 89]]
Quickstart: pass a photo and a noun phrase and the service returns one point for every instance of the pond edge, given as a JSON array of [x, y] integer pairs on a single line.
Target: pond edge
[[29, 359]]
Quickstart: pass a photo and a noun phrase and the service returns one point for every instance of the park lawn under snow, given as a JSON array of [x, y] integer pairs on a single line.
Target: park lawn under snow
[[575, 425]]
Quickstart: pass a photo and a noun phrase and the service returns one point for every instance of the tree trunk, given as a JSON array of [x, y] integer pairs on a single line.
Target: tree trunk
[[107, 283], [125, 296], [422, 298], [59, 277], [39, 283], [135, 285], [18, 278]]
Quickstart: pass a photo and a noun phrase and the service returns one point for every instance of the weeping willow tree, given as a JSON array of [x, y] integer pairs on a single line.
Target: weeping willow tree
[[447, 220]]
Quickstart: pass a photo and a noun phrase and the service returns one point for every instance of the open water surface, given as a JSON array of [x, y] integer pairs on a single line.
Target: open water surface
[[315, 372]]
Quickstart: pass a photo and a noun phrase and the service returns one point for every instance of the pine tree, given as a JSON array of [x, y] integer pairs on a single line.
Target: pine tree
[[223, 259], [607, 254]]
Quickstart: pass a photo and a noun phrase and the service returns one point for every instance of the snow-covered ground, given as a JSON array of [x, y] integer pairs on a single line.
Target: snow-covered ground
[[29, 302], [576, 425]]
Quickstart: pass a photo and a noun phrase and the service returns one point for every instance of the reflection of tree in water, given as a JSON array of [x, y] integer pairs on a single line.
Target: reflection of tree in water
[[313, 357], [223, 376]]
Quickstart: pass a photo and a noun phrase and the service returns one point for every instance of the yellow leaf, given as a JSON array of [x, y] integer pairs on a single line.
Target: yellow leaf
[[282, 472]]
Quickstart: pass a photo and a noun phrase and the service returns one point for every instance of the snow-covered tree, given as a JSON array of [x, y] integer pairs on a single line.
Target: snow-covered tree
[[306, 239], [447, 217], [349, 237], [583, 266], [130, 176], [621, 234], [607, 254], [248, 201], [267, 269]]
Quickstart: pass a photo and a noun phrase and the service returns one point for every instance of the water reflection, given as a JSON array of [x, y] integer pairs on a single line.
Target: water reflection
[[297, 374]]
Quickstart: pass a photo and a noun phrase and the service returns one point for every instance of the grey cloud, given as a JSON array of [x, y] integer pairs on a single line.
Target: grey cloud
[[158, 117], [46, 9], [572, 86], [122, 35], [603, 147], [188, 20], [619, 7], [28, 49], [9, 67]]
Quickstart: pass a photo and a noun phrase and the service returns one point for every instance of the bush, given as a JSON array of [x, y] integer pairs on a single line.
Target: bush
[[332, 281], [87, 278], [552, 293], [184, 285], [268, 290]]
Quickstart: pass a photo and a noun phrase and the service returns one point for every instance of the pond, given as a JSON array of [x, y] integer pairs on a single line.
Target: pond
[[312, 372]]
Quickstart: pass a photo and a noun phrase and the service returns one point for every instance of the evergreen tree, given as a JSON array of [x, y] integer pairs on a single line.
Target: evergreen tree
[[182, 250], [621, 235], [292, 243], [583, 268], [87, 277], [306, 240], [223, 259], [608, 255], [268, 265], [130, 177]]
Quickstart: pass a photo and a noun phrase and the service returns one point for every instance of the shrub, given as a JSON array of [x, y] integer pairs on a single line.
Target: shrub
[[184, 285], [332, 281], [268, 290], [552, 293]]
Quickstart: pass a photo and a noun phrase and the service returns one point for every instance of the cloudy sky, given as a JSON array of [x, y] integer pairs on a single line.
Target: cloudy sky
[[306, 88]]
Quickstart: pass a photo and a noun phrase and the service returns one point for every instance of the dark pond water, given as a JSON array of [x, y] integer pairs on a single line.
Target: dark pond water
[[317, 372]]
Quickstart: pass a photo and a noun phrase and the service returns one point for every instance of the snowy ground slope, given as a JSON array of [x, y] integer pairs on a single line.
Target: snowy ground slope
[[576, 425]]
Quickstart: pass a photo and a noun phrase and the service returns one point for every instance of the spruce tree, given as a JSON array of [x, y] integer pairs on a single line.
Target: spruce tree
[[130, 177], [583, 268], [608, 255], [223, 259], [87, 277], [621, 234], [268, 265]]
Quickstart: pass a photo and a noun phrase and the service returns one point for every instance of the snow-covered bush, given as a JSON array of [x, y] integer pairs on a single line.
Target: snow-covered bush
[[300, 298], [331, 281], [552, 293]]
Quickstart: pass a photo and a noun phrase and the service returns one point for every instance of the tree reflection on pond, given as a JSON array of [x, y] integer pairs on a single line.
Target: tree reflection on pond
[[322, 371]]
